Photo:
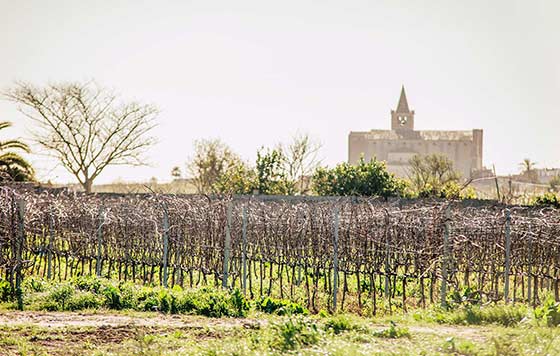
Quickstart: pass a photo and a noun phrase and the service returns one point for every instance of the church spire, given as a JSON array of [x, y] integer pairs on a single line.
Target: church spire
[[402, 107], [403, 117]]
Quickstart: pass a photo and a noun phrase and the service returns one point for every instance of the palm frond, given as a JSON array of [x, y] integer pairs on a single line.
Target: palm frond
[[13, 159], [14, 144], [5, 124]]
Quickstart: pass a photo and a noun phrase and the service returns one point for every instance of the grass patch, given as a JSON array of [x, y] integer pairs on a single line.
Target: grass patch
[[295, 333], [280, 306], [93, 293], [504, 315], [393, 332], [341, 323]]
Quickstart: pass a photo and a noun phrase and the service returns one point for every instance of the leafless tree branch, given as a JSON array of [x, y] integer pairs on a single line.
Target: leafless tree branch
[[85, 126]]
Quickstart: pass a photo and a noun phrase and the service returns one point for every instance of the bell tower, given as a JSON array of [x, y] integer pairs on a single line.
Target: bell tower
[[403, 117]]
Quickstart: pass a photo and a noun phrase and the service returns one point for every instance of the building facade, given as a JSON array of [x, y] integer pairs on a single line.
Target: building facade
[[398, 145], [545, 175]]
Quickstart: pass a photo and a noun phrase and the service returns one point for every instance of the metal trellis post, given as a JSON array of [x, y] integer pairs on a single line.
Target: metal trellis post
[[227, 246], [508, 253], [529, 262], [165, 245], [387, 249], [99, 242], [50, 246], [335, 258], [244, 256], [445, 261], [21, 227]]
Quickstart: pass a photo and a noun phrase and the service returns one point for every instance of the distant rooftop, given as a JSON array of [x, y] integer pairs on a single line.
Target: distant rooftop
[[428, 135]]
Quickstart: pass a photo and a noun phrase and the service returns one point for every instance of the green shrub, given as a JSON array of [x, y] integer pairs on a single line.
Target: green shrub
[[506, 315], [214, 304], [466, 296], [393, 332], [280, 307], [128, 295], [60, 295], [84, 300], [186, 303], [165, 301], [93, 292], [295, 333], [549, 312], [112, 297], [365, 178], [502, 315], [147, 299], [339, 324], [32, 285], [240, 304], [88, 283], [6, 292], [206, 301], [549, 199]]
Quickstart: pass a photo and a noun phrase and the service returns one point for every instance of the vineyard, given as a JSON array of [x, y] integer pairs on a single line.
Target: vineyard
[[353, 254]]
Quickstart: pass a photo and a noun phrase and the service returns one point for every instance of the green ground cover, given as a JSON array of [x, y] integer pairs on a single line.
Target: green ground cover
[[91, 316]]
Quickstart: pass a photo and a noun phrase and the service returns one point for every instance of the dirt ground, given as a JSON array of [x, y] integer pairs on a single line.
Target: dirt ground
[[152, 320], [66, 333], [110, 320], [71, 333]]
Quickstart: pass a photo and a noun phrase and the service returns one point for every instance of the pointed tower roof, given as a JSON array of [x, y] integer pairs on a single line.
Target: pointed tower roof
[[402, 107]]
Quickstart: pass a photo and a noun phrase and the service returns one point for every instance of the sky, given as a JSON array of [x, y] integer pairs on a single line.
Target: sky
[[256, 73]]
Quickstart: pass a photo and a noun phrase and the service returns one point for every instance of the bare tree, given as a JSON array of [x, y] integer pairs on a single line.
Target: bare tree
[[86, 127], [301, 160], [432, 171], [211, 160]]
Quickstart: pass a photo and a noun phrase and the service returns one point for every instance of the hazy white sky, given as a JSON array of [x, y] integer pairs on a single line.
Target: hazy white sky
[[253, 73]]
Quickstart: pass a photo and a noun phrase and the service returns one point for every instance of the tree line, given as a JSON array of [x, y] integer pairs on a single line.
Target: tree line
[[295, 169], [87, 128]]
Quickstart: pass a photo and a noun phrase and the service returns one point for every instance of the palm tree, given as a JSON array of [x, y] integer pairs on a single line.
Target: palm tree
[[176, 172], [527, 166], [13, 167], [528, 169]]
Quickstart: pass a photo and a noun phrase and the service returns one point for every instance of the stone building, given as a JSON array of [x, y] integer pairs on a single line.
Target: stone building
[[545, 175], [402, 142]]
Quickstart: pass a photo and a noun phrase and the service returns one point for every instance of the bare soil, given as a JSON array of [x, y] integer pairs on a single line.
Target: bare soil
[[109, 320], [70, 333]]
